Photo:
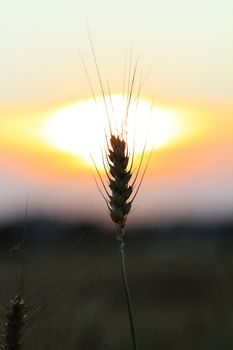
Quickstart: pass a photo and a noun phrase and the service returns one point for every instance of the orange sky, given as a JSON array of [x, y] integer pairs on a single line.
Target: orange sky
[[191, 177]]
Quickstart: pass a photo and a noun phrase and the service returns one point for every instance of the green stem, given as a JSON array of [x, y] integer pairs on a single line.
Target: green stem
[[127, 292]]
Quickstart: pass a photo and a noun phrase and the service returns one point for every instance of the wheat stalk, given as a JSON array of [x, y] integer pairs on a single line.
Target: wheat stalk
[[119, 205], [14, 323], [121, 189]]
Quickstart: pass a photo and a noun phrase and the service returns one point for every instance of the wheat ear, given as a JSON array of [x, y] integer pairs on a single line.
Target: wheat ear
[[119, 204], [14, 323]]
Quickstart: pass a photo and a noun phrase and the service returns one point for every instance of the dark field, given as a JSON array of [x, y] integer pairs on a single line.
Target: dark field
[[180, 276]]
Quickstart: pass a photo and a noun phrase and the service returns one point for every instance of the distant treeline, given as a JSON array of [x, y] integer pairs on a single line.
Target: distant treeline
[[43, 232]]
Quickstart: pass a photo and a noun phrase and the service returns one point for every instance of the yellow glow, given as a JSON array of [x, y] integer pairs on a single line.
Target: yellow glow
[[80, 129]]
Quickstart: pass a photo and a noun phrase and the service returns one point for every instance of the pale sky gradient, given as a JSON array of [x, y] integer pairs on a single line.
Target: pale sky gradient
[[187, 45], [187, 48]]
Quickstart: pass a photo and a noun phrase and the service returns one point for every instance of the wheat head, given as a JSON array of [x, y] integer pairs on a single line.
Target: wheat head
[[119, 178], [14, 323]]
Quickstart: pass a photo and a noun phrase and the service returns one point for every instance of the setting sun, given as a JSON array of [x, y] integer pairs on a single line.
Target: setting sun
[[80, 129]]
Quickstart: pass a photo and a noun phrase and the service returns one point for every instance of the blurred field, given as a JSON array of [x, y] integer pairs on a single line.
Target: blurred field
[[181, 279]]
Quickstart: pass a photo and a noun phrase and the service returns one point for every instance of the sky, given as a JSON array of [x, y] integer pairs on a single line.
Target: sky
[[185, 53]]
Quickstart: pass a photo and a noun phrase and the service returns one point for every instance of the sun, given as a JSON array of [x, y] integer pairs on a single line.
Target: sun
[[82, 129]]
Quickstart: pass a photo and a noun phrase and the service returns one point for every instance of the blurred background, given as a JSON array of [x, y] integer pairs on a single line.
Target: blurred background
[[179, 237]]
